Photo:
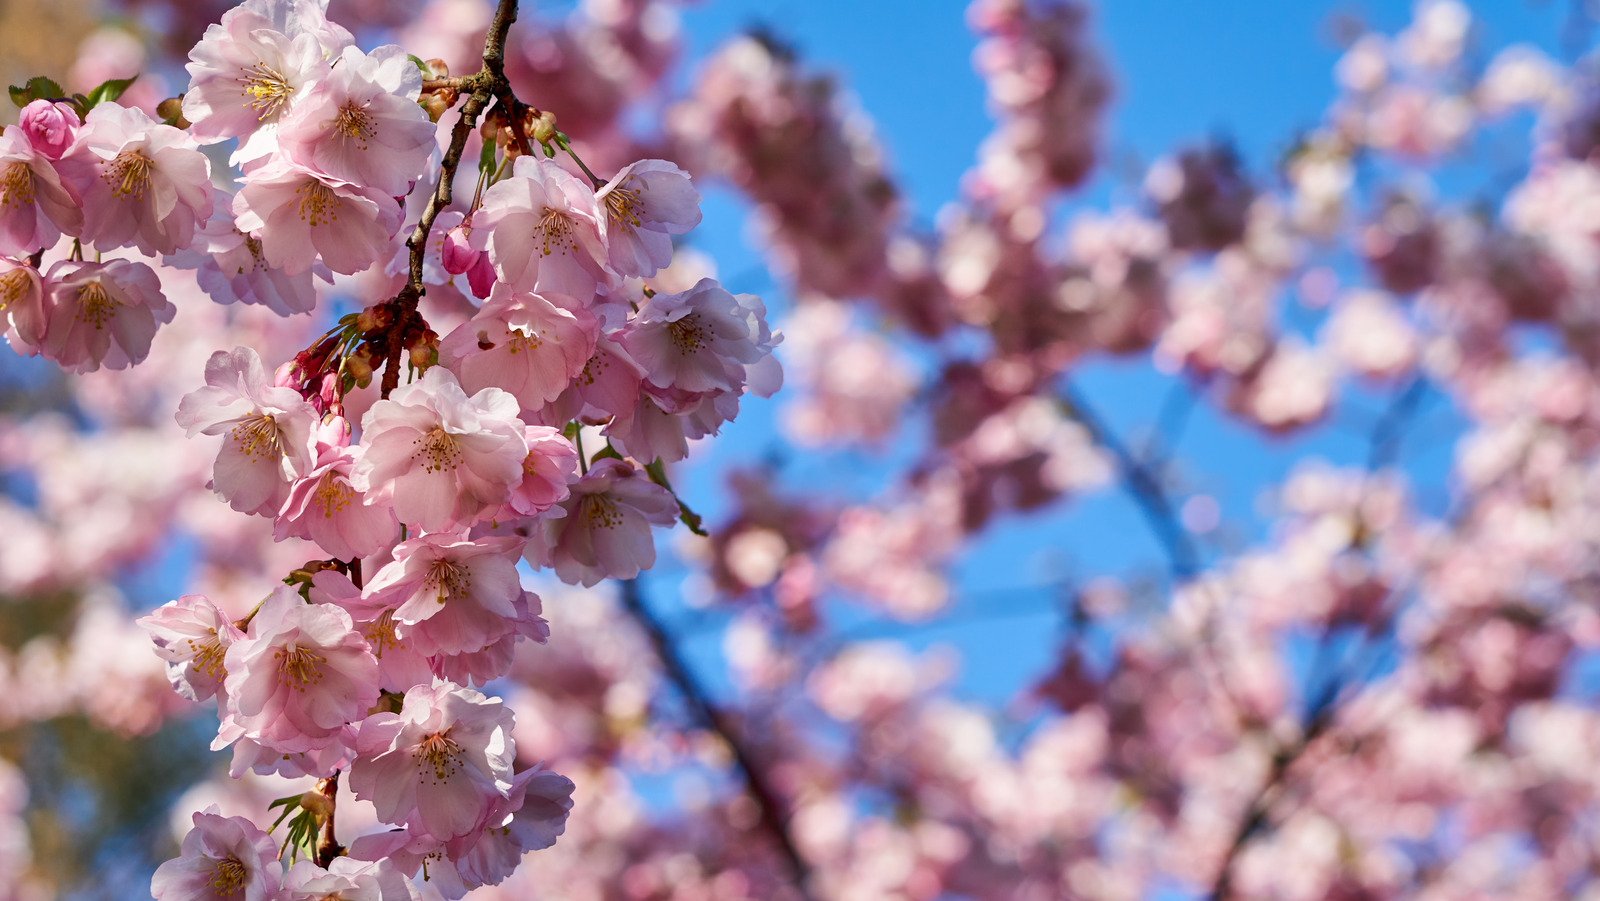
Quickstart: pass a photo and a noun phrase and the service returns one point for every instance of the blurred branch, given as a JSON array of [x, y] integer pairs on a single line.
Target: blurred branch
[[1383, 447], [1147, 491], [695, 695]]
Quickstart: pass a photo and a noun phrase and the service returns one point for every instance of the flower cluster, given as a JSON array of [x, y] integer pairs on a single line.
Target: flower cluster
[[423, 498]]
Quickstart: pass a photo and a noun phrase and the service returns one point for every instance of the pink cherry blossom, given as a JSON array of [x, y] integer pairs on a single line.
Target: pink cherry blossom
[[36, 205], [645, 204], [440, 764], [552, 463], [142, 183], [230, 268], [24, 305], [450, 595], [246, 73], [49, 126], [443, 459], [300, 674], [400, 664], [323, 507], [606, 532], [348, 879], [531, 819], [361, 124], [223, 859], [541, 230], [269, 431], [527, 344], [495, 660], [607, 386], [696, 341], [299, 215], [102, 314], [193, 636]]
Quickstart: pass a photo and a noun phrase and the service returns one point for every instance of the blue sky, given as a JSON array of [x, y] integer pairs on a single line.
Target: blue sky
[[1254, 71]]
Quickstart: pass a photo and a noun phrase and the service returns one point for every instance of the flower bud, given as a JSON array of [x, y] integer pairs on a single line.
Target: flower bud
[[458, 256], [438, 67], [544, 127], [49, 127], [436, 103]]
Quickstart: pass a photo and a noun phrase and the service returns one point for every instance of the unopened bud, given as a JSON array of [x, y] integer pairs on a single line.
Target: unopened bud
[[436, 103], [171, 112], [457, 255], [438, 67], [493, 122], [424, 356], [544, 127], [359, 364], [318, 803]]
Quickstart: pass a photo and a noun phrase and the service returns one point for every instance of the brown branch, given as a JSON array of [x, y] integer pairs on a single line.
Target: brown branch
[[328, 847], [767, 801], [481, 88]]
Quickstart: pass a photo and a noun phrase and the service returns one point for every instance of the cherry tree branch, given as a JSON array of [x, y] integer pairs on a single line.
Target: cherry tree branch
[[1382, 448], [481, 88], [773, 816], [1145, 487]]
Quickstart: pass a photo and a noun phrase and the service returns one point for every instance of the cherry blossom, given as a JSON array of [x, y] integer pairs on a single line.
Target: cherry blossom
[[527, 344], [443, 459], [541, 230], [645, 204], [361, 123], [299, 674], [440, 764], [450, 595], [269, 431], [102, 314], [141, 183], [223, 857], [606, 530], [36, 205], [300, 215]]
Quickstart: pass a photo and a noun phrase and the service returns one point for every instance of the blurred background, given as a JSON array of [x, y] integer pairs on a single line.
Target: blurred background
[[1184, 484]]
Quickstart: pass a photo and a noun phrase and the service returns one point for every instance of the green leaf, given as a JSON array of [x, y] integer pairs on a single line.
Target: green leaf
[[36, 88], [658, 474], [107, 91], [607, 451], [486, 159], [421, 66]]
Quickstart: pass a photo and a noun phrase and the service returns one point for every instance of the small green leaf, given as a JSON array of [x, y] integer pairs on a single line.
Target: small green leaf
[[36, 88], [658, 474], [486, 159], [549, 152], [607, 451], [421, 66], [107, 91]]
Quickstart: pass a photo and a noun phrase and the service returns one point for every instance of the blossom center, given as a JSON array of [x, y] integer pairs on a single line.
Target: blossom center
[[522, 341], [265, 89], [600, 510], [557, 228], [319, 205], [354, 122], [438, 450], [96, 306], [623, 206], [208, 655], [257, 437], [16, 185], [128, 174], [229, 875], [440, 753], [298, 667], [688, 334], [449, 579], [381, 635], [13, 285], [332, 494]]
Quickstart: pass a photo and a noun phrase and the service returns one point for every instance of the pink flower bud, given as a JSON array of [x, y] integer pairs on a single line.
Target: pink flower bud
[[458, 255], [481, 277], [49, 127], [288, 375]]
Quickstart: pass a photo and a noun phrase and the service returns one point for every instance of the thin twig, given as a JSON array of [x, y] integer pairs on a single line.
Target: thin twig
[[483, 87], [677, 669], [1146, 489]]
